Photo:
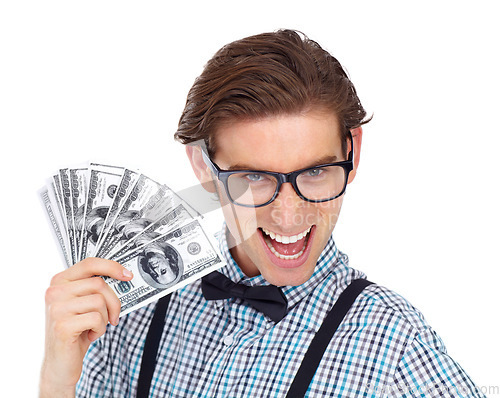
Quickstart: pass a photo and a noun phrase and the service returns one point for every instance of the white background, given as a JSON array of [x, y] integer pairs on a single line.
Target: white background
[[107, 80]]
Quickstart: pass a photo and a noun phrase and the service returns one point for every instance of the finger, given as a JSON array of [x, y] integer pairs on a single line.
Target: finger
[[93, 266], [79, 306], [83, 288], [98, 325], [72, 327]]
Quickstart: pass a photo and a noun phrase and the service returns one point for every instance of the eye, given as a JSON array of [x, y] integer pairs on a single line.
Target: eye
[[314, 172], [254, 177]]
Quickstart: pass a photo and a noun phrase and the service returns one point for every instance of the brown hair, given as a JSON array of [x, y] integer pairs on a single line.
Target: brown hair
[[275, 73]]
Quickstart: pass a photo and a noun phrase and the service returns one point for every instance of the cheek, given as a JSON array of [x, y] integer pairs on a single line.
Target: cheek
[[327, 213], [241, 221]]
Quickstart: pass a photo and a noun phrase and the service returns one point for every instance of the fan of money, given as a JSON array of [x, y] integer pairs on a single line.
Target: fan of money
[[120, 214]]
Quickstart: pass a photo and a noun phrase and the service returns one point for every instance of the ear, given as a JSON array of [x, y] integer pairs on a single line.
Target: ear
[[357, 135], [200, 169]]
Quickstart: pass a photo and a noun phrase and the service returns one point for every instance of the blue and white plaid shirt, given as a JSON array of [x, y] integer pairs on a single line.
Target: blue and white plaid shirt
[[224, 348]]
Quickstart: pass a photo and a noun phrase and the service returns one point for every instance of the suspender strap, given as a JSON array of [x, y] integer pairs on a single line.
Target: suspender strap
[[151, 347], [323, 336], [309, 363]]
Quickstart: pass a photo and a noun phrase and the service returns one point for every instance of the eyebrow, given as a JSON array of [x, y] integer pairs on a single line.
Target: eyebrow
[[323, 160]]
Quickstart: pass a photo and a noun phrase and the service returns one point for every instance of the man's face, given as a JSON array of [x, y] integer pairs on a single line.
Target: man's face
[[281, 144]]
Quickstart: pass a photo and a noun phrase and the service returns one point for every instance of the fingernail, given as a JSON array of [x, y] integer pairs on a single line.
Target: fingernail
[[127, 273]]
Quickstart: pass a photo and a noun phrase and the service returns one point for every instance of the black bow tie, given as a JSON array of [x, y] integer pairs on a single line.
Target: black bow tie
[[269, 300]]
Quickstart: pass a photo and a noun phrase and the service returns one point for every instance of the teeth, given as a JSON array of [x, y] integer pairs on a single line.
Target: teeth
[[282, 256], [286, 239]]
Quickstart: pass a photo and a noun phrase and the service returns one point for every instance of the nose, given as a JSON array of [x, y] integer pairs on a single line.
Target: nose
[[287, 207]]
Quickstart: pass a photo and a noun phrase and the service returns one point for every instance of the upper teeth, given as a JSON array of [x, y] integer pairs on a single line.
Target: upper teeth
[[286, 239]]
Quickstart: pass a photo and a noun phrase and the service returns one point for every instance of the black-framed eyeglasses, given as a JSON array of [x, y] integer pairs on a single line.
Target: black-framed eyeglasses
[[257, 188]]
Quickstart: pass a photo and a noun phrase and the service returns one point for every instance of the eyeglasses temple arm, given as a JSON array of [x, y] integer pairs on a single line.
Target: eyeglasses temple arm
[[209, 162], [351, 152]]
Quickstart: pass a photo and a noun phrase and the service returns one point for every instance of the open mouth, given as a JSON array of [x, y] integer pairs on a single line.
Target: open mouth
[[286, 247]]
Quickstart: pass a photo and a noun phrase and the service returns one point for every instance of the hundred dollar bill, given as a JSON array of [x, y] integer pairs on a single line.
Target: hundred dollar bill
[[68, 212], [102, 186], [78, 187], [127, 183], [51, 207], [139, 234], [168, 263], [55, 187], [147, 201], [55, 193]]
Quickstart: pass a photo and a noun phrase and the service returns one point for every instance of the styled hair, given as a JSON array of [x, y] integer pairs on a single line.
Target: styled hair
[[269, 74]]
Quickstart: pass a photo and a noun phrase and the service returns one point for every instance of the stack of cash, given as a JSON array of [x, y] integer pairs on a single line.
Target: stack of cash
[[120, 214]]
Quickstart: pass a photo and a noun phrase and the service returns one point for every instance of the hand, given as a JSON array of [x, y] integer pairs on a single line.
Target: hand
[[78, 306]]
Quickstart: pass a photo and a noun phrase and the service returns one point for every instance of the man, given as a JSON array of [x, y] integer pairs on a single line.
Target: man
[[274, 127]]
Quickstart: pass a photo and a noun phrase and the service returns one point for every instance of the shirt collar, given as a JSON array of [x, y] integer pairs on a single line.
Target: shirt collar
[[325, 265]]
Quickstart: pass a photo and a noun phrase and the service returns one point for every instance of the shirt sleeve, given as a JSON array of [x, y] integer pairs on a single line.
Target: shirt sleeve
[[426, 370]]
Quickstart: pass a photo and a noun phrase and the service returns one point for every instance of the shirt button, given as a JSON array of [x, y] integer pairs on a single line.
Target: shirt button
[[228, 340]]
